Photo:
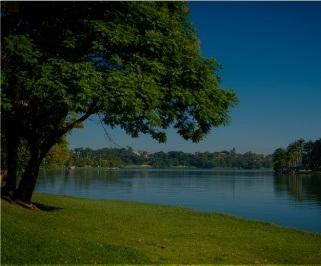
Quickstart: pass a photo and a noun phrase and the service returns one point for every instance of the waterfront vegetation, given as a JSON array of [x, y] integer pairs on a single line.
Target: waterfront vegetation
[[299, 156], [122, 157], [72, 230], [137, 66]]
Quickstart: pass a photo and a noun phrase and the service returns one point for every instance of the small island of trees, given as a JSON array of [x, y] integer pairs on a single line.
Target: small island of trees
[[299, 157]]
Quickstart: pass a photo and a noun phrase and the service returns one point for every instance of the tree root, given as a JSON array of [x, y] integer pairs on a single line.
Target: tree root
[[26, 205]]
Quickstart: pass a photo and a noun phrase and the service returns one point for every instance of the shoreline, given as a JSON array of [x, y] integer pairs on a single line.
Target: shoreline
[[186, 208], [144, 233]]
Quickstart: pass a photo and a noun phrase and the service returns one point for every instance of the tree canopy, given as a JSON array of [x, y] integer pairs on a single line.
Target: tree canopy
[[299, 155], [138, 64]]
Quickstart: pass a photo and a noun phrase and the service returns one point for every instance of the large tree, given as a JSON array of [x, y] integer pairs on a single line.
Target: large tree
[[280, 160], [137, 64]]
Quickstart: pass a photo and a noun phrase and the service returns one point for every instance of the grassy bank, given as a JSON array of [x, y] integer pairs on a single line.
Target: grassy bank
[[71, 230]]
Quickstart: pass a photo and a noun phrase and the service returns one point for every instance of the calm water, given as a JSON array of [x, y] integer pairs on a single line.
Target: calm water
[[291, 201]]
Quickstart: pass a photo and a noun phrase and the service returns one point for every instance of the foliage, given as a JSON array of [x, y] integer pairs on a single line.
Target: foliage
[[312, 155], [108, 53], [138, 64], [81, 231], [58, 155], [299, 155], [280, 159], [129, 157]]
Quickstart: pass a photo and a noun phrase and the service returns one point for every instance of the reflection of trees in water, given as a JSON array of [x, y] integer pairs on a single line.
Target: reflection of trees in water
[[301, 187], [195, 180], [79, 177], [48, 177], [190, 172], [315, 187], [87, 178]]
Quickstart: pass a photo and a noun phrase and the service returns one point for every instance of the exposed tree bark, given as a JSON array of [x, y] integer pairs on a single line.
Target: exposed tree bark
[[90, 111], [30, 175], [38, 152]]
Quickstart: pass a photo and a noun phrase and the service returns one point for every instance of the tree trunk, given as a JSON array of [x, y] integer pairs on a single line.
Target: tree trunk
[[12, 143], [29, 177]]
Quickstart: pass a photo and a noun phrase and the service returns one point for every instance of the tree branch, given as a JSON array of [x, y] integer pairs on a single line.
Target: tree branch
[[89, 112], [59, 132]]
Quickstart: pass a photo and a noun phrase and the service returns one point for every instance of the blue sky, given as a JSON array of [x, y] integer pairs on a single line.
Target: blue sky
[[271, 57]]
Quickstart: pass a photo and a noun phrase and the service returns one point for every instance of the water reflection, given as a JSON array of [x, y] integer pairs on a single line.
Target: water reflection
[[288, 200], [300, 187]]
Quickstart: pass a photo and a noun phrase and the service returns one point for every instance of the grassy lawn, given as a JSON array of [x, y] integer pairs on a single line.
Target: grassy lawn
[[73, 230]]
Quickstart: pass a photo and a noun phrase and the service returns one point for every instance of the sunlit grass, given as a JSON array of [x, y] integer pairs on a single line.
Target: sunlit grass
[[73, 230]]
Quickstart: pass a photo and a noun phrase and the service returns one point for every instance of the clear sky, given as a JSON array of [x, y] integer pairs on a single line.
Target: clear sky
[[271, 54]]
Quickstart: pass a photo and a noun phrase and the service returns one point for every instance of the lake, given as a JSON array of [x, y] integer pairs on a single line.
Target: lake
[[293, 201]]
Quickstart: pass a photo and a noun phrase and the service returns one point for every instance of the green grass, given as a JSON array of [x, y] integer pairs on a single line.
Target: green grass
[[93, 231]]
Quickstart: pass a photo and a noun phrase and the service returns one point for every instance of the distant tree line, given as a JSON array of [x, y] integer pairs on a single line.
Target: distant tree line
[[299, 156], [112, 157]]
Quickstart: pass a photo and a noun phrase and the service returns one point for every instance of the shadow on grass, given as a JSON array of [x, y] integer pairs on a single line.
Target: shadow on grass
[[32, 206], [47, 208]]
